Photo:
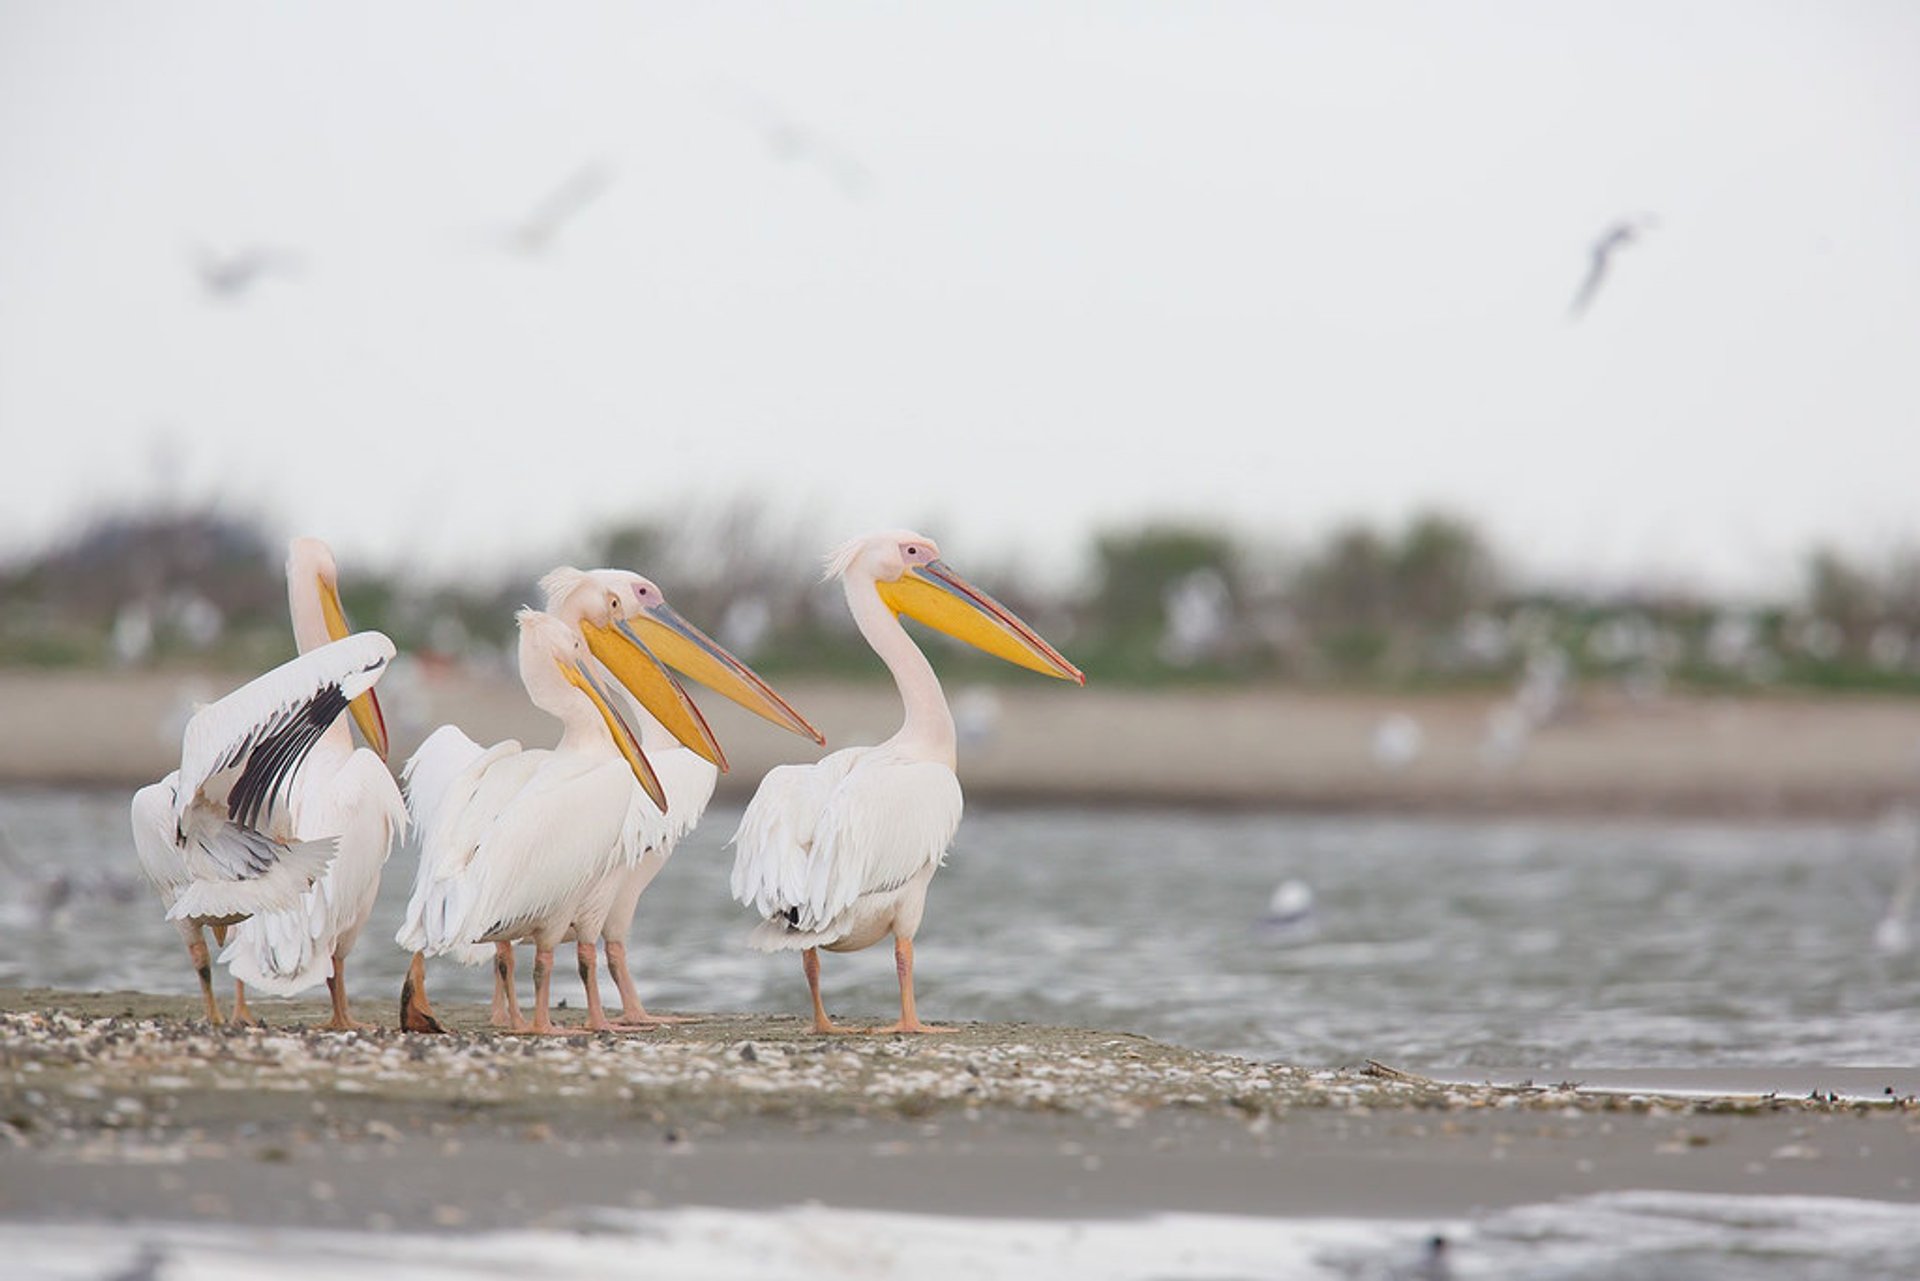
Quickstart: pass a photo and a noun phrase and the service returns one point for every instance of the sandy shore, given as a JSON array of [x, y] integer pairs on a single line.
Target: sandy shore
[[1266, 747], [117, 1105]]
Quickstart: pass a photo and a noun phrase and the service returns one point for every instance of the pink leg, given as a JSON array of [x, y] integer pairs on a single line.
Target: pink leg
[[810, 963], [587, 961], [342, 1020], [903, 965], [506, 1001], [632, 1013], [241, 1014], [542, 989], [203, 966], [416, 1012]]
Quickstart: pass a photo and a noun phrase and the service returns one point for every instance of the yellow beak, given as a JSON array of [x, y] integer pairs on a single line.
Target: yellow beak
[[694, 654], [933, 594], [635, 667], [623, 736], [365, 709]]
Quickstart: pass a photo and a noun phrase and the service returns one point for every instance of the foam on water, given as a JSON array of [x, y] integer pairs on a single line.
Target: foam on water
[[1637, 1234]]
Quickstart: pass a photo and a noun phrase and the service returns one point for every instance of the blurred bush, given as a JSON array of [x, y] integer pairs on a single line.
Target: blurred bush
[[1426, 603]]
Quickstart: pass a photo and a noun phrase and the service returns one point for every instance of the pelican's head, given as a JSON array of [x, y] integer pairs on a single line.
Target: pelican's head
[[555, 662], [910, 578], [632, 630], [310, 568]]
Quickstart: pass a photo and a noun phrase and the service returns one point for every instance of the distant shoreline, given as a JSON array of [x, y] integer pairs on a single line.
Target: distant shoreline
[[1260, 748]]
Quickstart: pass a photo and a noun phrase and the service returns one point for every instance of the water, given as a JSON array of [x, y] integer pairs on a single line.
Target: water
[[1485, 947], [1641, 1235], [1482, 948]]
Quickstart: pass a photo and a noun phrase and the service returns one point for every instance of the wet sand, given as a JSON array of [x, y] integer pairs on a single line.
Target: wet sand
[[119, 1105], [1279, 748]]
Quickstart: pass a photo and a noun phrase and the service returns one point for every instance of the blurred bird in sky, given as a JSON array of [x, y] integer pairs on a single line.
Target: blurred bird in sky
[[230, 277], [537, 232], [1615, 238], [790, 141]]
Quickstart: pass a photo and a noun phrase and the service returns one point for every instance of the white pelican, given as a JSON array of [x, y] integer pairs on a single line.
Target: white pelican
[[514, 842], [600, 602], [341, 791], [216, 836], [838, 854]]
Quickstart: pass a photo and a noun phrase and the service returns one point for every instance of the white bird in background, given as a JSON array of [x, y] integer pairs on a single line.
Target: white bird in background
[[838, 854], [216, 837], [537, 232], [791, 142], [513, 844], [598, 603], [341, 791], [1290, 916], [230, 277], [1615, 238], [1892, 934], [1397, 742]]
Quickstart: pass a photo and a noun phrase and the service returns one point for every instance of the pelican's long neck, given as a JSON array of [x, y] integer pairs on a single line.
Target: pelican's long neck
[[928, 730], [310, 633], [303, 602], [582, 728]]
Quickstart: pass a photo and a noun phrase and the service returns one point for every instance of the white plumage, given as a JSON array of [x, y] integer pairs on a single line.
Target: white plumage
[[826, 848], [460, 790], [217, 836], [839, 854], [342, 792], [516, 843], [455, 791], [604, 596]]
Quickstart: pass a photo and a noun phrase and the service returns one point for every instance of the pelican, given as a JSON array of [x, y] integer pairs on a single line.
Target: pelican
[[216, 837], [341, 791], [598, 603], [838, 854], [514, 843]]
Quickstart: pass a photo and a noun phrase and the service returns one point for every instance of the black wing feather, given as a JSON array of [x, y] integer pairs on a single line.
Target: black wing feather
[[278, 751]]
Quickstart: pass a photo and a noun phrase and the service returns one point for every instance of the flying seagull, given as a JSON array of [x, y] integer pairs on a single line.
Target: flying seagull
[[536, 233], [1616, 237]]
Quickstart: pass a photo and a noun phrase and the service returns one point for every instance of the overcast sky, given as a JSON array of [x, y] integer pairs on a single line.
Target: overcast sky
[[1028, 270]]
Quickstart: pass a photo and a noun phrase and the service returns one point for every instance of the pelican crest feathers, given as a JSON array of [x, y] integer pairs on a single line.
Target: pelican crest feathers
[[561, 583]]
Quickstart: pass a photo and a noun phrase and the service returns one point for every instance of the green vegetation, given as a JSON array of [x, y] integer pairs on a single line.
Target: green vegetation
[[1424, 604]]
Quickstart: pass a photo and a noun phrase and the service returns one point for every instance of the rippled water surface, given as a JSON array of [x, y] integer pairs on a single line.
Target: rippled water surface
[[1510, 946]]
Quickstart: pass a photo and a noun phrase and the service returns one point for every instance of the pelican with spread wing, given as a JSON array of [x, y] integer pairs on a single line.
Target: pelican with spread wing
[[217, 837], [838, 854], [343, 792]]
